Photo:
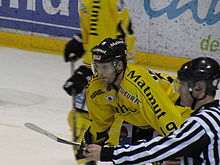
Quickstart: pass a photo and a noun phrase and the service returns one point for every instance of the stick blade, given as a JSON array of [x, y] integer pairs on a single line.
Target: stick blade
[[48, 134], [40, 130]]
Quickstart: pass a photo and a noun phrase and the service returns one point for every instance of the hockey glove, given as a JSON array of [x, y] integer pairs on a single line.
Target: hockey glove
[[74, 49], [78, 81], [87, 139]]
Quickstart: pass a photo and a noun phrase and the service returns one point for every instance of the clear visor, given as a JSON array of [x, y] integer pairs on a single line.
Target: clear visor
[[181, 87], [105, 68]]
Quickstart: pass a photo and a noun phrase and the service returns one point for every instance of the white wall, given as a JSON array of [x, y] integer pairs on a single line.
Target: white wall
[[177, 35]]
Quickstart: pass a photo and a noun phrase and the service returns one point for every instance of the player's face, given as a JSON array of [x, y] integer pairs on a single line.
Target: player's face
[[183, 89], [105, 71]]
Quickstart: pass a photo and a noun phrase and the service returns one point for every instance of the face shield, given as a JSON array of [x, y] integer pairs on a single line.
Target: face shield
[[103, 68], [190, 86], [181, 86], [107, 72]]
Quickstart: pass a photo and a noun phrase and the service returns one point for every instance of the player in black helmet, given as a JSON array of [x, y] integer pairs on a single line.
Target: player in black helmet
[[204, 71], [94, 28], [129, 92], [107, 57], [197, 139]]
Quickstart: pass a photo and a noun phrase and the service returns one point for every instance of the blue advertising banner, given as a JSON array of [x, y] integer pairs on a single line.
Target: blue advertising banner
[[52, 17]]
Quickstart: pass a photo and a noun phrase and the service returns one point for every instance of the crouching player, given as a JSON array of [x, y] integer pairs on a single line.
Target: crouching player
[[133, 93]]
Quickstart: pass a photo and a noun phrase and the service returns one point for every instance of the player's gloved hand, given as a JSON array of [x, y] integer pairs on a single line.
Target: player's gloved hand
[[87, 139], [74, 49], [82, 147], [78, 80]]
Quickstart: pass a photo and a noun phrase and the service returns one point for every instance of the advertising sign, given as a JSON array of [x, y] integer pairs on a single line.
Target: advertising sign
[[180, 28], [53, 17]]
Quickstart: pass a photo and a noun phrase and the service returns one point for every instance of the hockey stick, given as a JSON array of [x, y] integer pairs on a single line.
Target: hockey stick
[[50, 135], [75, 138]]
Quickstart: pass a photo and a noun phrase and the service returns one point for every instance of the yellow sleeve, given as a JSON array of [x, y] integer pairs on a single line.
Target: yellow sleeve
[[156, 108], [101, 110], [165, 81], [125, 30], [166, 116]]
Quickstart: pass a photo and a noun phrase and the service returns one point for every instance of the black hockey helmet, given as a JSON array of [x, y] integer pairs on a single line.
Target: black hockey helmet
[[109, 50], [202, 68]]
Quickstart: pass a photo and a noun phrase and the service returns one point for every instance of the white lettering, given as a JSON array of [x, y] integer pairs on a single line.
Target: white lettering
[[99, 50], [116, 43], [63, 7], [14, 4], [31, 5]]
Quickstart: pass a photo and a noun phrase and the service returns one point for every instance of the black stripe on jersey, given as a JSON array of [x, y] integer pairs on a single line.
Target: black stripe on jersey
[[97, 7], [96, 1], [159, 152], [93, 28], [93, 19], [94, 11], [176, 144], [205, 154], [212, 128], [186, 129], [216, 150], [170, 79], [215, 110], [95, 34], [186, 161], [141, 149], [93, 24], [94, 15]]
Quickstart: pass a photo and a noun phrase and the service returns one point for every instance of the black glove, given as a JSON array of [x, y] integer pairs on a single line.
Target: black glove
[[87, 139], [74, 49], [79, 154], [78, 81]]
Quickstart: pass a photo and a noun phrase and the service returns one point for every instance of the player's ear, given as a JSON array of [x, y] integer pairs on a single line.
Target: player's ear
[[200, 86], [120, 65], [199, 89]]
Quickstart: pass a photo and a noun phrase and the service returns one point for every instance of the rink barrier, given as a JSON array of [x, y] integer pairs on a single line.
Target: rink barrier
[[161, 62], [53, 46], [33, 43]]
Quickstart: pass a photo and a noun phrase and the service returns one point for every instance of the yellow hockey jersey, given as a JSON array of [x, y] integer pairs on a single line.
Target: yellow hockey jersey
[[101, 19], [144, 99]]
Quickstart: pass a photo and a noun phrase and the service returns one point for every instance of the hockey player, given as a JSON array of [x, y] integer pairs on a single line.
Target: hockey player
[[197, 140], [99, 19], [133, 93]]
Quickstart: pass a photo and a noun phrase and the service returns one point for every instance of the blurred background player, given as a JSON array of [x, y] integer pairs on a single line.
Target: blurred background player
[[133, 93], [99, 19]]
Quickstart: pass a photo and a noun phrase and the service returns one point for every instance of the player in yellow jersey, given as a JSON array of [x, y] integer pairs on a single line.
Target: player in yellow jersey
[[133, 93], [99, 19], [104, 18]]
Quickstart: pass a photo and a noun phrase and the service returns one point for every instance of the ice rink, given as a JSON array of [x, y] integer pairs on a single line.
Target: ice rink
[[31, 91]]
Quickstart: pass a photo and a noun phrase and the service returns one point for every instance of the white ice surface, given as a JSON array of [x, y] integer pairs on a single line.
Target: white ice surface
[[31, 91]]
